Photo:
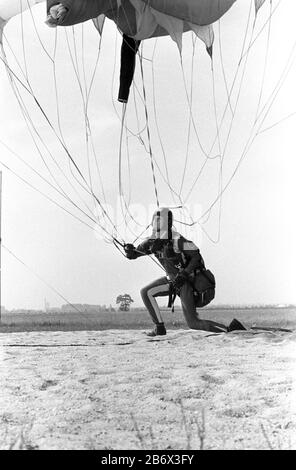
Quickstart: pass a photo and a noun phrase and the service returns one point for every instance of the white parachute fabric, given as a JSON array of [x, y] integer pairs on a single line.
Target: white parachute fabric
[[2, 24], [174, 26], [143, 19], [99, 23], [146, 21], [258, 5], [149, 19], [206, 34], [11, 8]]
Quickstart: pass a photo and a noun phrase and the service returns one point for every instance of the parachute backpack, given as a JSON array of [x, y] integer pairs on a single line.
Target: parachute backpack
[[204, 288]]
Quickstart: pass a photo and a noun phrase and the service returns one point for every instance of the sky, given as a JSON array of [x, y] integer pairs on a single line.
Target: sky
[[247, 241]]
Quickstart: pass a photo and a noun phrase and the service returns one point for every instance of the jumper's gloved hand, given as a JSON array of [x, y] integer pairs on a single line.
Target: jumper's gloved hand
[[56, 13], [180, 279], [130, 251]]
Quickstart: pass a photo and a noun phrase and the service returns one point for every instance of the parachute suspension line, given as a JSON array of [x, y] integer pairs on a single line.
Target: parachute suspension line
[[46, 181], [129, 171], [28, 121], [16, 60], [190, 111], [138, 135], [74, 61], [251, 139], [204, 221], [189, 123], [37, 33], [217, 239], [124, 205], [57, 101], [83, 66], [167, 180], [277, 123], [129, 131], [54, 71], [92, 80], [234, 80], [4, 60], [129, 167], [84, 98], [263, 28], [239, 93], [221, 191], [226, 107], [58, 109], [48, 197], [85, 104], [265, 64], [223, 68], [155, 261], [277, 88], [148, 134], [141, 234], [40, 278], [198, 176], [114, 241], [120, 185], [86, 188], [88, 128], [23, 44]]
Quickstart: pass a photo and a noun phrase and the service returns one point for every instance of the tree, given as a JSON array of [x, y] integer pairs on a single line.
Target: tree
[[125, 301]]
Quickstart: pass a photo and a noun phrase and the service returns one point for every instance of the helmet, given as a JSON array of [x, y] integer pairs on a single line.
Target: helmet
[[162, 223]]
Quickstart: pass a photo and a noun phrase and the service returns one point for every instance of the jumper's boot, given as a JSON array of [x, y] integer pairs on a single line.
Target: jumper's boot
[[159, 330], [235, 325]]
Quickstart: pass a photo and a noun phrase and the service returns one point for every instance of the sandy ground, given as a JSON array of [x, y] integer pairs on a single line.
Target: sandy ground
[[122, 390]]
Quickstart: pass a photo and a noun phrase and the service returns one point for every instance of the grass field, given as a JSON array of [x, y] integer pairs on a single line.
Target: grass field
[[256, 317]]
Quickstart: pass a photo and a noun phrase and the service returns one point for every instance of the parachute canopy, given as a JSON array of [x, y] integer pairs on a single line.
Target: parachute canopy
[[136, 19], [143, 19]]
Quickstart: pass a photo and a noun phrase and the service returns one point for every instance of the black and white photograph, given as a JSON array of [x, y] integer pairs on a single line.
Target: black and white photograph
[[147, 228]]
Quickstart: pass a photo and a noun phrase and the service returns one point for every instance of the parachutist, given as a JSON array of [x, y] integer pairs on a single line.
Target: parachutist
[[181, 260]]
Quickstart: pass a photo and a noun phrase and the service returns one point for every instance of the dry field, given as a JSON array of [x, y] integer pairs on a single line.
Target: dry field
[[119, 389]]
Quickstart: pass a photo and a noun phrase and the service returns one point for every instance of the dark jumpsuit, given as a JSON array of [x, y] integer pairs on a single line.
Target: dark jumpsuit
[[174, 256]]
